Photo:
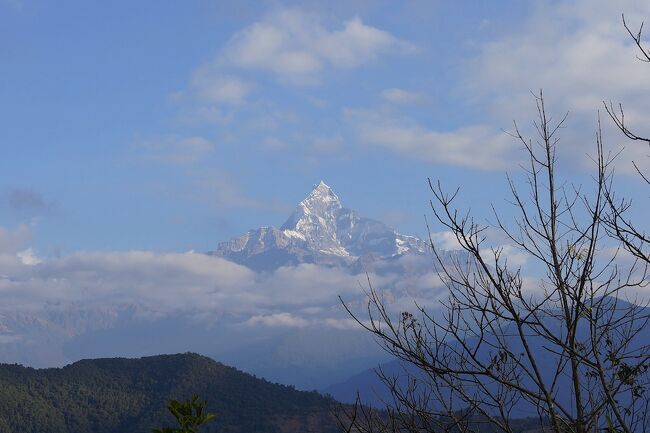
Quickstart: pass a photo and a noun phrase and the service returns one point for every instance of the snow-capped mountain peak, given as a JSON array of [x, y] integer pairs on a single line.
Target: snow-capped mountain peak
[[322, 192], [321, 203], [315, 219], [320, 230]]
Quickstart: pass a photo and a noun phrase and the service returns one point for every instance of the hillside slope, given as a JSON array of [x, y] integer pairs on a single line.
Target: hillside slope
[[129, 395]]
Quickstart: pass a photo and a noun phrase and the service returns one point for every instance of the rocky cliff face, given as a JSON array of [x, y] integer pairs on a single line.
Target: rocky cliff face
[[320, 231]]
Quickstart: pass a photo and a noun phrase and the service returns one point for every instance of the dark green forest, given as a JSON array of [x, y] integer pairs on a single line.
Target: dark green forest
[[130, 395]]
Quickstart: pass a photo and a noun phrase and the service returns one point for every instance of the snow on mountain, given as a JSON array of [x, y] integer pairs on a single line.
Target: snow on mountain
[[321, 231]]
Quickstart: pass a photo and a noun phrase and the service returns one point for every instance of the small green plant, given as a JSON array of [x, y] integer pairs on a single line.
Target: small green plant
[[189, 415]]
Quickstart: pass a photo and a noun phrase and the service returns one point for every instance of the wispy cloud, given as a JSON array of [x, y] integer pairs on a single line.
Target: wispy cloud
[[12, 241], [278, 319], [577, 52], [223, 192], [327, 145], [478, 146], [403, 97], [211, 86], [26, 199]]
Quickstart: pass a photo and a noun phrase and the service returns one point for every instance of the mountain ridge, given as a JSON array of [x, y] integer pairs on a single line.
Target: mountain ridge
[[113, 395]]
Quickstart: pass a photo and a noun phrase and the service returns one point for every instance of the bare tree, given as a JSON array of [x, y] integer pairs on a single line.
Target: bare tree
[[560, 339], [619, 225]]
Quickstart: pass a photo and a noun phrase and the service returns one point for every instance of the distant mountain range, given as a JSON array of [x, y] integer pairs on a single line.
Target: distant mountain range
[[321, 231], [370, 388], [130, 395]]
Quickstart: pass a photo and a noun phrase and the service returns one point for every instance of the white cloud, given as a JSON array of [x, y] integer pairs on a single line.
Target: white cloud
[[29, 257], [310, 284], [292, 46], [579, 53], [445, 241], [346, 324], [580, 50], [176, 150], [278, 319], [165, 284], [168, 282], [297, 46], [476, 146], [357, 43], [514, 256]]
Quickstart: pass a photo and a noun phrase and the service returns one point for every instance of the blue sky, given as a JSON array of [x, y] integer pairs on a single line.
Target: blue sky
[[133, 132], [170, 126]]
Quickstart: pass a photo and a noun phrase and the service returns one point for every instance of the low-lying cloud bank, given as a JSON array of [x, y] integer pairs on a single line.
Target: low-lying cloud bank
[[206, 287]]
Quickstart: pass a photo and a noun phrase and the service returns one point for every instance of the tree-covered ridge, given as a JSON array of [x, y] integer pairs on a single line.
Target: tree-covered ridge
[[130, 395]]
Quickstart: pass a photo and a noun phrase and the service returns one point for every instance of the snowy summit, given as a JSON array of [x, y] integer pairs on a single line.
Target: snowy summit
[[320, 230]]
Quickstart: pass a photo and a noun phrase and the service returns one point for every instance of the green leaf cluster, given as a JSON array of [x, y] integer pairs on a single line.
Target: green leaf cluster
[[189, 415]]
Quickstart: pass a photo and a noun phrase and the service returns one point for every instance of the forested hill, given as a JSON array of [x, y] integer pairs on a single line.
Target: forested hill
[[129, 395]]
